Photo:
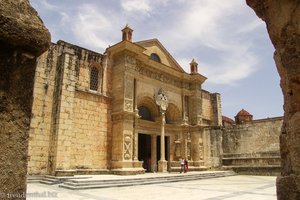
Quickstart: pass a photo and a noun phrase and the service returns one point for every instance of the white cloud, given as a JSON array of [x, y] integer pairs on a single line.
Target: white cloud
[[249, 27], [136, 5], [143, 7], [238, 68], [91, 27], [212, 25], [219, 27], [48, 6]]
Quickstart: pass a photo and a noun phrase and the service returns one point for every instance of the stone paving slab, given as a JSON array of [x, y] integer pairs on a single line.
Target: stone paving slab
[[224, 188]]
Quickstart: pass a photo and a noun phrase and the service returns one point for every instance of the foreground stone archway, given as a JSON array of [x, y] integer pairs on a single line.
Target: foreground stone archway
[[282, 18], [23, 37]]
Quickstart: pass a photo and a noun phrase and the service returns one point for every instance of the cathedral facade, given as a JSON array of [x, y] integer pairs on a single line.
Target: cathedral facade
[[130, 110]]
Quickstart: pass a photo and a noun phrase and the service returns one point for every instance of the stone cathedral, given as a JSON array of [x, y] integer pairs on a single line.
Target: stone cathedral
[[131, 110]]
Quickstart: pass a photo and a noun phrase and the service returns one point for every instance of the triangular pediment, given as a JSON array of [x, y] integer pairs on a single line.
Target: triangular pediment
[[153, 46]]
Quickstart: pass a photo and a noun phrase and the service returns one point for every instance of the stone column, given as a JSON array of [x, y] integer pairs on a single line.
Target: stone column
[[153, 153], [282, 18], [162, 137], [162, 163], [162, 102], [104, 81]]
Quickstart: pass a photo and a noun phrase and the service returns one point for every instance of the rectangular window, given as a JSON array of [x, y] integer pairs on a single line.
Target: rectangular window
[[94, 77]]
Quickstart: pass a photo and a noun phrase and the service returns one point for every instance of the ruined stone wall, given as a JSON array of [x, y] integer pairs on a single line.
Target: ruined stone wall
[[212, 145], [252, 147], [22, 37], [252, 137]]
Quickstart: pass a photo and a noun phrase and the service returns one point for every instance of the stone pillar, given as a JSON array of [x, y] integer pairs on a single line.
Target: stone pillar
[[153, 153], [105, 83], [162, 137], [124, 128], [217, 109], [136, 136], [196, 142], [195, 104], [136, 133], [23, 37], [282, 18]]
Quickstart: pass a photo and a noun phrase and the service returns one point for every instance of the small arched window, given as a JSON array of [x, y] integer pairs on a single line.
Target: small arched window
[[155, 57], [94, 78], [145, 113]]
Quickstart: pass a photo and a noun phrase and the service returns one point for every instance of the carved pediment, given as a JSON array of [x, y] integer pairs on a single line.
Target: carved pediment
[[153, 46]]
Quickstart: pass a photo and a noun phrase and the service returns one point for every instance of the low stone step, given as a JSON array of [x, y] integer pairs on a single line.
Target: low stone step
[[179, 176], [52, 180], [91, 184], [191, 169], [245, 161], [34, 179], [264, 170]]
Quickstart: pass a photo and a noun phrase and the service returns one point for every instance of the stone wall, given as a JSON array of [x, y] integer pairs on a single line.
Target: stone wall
[[40, 126], [91, 131], [70, 125], [22, 37], [253, 137], [252, 147], [212, 141]]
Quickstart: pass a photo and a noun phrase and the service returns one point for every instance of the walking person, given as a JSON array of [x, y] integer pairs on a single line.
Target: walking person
[[186, 165], [182, 165]]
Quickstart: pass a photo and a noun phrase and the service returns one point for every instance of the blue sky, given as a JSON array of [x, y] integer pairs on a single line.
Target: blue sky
[[226, 38]]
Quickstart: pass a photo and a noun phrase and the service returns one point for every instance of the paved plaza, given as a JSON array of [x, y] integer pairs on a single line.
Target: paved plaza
[[239, 187]]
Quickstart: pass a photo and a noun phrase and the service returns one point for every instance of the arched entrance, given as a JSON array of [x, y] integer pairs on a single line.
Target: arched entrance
[[149, 135], [144, 140]]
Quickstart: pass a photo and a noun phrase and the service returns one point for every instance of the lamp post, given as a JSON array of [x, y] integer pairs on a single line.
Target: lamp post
[[162, 102]]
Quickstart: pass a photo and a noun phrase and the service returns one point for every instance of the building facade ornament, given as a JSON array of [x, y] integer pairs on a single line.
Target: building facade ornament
[[161, 100]]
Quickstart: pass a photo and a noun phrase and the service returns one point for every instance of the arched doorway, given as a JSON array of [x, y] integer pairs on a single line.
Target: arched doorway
[[144, 150], [144, 140]]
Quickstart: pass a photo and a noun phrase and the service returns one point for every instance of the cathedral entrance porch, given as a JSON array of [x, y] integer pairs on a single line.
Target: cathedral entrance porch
[[149, 152]]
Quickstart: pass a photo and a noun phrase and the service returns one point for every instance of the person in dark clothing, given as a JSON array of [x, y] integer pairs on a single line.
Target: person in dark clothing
[[186, 165]]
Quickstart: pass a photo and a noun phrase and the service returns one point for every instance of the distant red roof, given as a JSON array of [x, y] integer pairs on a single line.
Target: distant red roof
[[243, 113], [228, 120]]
